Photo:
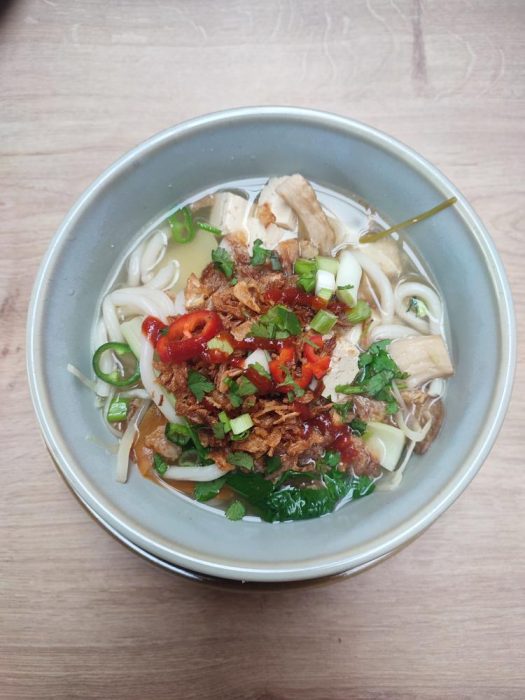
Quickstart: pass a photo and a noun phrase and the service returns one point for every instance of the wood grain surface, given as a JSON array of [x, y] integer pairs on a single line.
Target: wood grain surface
[[80, 616]]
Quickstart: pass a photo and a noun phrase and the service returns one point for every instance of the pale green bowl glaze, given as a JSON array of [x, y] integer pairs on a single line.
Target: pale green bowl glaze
[[256, 142]]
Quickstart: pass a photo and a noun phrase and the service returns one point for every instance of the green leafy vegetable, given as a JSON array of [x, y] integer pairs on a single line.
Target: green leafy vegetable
[[118, 410], [202, 452], [206, 490], [306, 269], [343, 409], [240, 459], [191, 458], [235, 511], [418, 307], [245, 387], [277, 322], [295, 389], [331, 458], [272, 464], [260, 254], [360, 312], [218, 431], [358, 427], [159, 465], [260, 369], [199, 384], [223, 261], [377, 372]]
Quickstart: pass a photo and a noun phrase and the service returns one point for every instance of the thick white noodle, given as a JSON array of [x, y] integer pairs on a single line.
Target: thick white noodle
[[154, 389], [126, 442], [154, 251], [106, 363], [109, 314], [142, 300], [134, 266], [403, 294], [355, 334], [166, 277], [391, 331], [207, 473], [380, 281]]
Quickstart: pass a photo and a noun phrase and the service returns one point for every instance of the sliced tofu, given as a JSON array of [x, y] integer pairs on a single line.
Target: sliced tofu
[[386, 254], [271, 236], [271, 202], [299, 194], [343, 368], [423, 357], [228, 212]]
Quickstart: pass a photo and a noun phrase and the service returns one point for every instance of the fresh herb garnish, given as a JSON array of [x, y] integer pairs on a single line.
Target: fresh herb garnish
[[245, 387], [358, 426], [199, 384], [297, 391], [240, 459], [177, 433], [272, 464], [331, 458], [260, 370], [218, 430], [206, 490], [259, 254], [223, 261], [343, 409], [377, 372], [202, 452], [235, 511], [159, 465], [277, 322], [208, 227]]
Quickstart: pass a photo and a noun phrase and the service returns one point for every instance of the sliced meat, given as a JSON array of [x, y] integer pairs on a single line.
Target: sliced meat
[[363, 463], [386, 254], [369, 409], [343, 367], [423, 357], [157, 441], [425, 408], [273, 208], [299, 194]]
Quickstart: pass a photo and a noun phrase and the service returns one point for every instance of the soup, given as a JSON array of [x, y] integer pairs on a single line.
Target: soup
[[272, 348]]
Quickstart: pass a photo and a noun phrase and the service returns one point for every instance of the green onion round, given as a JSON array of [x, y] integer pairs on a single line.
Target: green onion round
[[114, 378], [323, 321]]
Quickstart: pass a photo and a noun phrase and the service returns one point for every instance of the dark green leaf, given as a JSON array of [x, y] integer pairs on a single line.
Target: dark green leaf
[[358, 427], [245, 387], [199, 384], [259, 254], [206, 490], [240, 459], [260, 370], [343, 409], [223, 261], [235, 511], [159, 465], [218, 431], [272, 464]]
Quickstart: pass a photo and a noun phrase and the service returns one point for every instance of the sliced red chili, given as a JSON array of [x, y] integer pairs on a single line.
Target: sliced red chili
[[285, 357], [152, 328], [186, 336], [318, 360], [263, 384]]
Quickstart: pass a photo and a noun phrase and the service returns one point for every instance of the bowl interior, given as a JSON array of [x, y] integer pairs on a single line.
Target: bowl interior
[[207, 152]]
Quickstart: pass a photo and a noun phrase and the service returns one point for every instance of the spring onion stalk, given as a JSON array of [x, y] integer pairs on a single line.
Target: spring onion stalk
[[328, 264], [126, 443], [348, 278], [221, 345], [325, 281], [118, 410], [385, 443], [241, 424], [258, 357], [377, 236], [359, 313], [207, 473], [305, 267], [323, 321]]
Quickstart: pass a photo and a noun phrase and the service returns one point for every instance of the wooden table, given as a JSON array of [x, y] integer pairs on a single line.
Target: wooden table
[[82, 617]]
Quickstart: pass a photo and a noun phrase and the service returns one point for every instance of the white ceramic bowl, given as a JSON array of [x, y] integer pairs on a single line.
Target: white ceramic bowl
[[256, 142]]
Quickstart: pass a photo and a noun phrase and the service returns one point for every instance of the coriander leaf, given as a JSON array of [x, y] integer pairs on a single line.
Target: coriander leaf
[[235, 511], [259, 254], [223, 261], [218, 431], [205, 490], [199, 384], [260, 370], [289, 381], [277, 322], [272, 464], [245, 387], [331, 458], [159, 465], [358, 427], [343, 409], [240, 459]]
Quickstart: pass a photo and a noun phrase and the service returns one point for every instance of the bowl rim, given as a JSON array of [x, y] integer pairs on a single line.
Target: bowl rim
[[138, 535]]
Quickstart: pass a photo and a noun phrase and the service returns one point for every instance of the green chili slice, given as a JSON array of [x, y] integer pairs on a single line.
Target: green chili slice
[[182, 226], [128, 372], [377, 235]]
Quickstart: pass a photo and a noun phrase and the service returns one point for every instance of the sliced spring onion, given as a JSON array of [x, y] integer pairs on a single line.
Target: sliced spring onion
[[348, 278], [182, 226], [177, 433], [208, 227], [328, 264], [360, 312], [378, 235], [118, 410], [325, 294], [116, 378], [305, 267], [307, 283], [323, 321], [223, 417], [324, 280], [241, 423], [220, 344]]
